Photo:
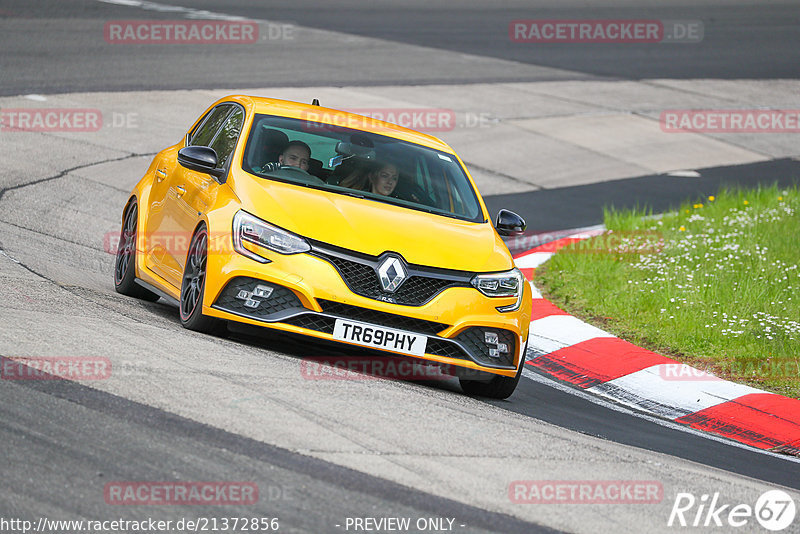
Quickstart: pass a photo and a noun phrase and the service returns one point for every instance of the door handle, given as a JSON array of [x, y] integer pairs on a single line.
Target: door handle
[[180, 190], [161, 174]]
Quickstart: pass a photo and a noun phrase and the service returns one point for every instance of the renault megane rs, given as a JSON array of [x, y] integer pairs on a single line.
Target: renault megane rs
[[333, 225]]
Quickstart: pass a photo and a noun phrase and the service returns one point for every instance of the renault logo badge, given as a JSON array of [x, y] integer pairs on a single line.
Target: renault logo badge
[[392, 273]]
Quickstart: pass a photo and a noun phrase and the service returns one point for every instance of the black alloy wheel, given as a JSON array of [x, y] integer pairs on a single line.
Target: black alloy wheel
[[193, 288], [125, 262]]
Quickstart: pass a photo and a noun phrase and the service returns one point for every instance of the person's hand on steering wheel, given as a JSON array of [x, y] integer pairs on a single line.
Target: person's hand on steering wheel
[[275, 166]]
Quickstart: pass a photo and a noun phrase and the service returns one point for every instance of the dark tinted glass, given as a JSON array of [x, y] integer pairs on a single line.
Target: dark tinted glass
[[226, 138], [205, 133]]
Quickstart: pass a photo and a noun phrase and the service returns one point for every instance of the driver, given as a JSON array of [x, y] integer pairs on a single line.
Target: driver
[[296, 154]]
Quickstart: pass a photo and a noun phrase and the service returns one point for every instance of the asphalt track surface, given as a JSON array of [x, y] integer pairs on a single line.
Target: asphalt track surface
[[742, 40], [63, 439], [130, 441]]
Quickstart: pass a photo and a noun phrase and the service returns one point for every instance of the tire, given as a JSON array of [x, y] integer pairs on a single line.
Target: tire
[[125, 262], [499, 387], [193, 286]]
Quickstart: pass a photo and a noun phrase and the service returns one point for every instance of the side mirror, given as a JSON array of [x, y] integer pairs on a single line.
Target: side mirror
[[201, 159], [509, 223]]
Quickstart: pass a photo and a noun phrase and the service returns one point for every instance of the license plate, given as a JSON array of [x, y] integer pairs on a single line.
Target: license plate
[[380, 337]]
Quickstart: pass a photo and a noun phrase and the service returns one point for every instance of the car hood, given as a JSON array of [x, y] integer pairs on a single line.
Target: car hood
[[373, 227]]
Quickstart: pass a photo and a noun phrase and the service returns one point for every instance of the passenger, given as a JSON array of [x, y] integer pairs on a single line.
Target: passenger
[[381, 181], [384, 180], [357, 179], [296, 154]]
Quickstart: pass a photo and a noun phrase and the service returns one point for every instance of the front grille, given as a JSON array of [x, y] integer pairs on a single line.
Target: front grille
[[361, 278], [312, 321], [233, 299], [418, 290], [390, 320], [474, 340], [359, 273], [438, 347]]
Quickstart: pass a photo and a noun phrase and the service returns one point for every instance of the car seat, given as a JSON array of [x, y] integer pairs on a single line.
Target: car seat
[[268, 145]]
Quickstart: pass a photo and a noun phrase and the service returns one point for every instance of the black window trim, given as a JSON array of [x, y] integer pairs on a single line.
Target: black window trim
[[219, 131], [233, 106], [191, 134]]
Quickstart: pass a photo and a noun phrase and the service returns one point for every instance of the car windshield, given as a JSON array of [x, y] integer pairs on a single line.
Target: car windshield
[[357, 163]]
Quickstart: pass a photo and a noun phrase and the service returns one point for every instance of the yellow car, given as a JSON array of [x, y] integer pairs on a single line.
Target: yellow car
[[333, 225]]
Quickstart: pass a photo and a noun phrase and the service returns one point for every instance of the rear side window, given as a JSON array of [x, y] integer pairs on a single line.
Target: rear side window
[[205, 132]]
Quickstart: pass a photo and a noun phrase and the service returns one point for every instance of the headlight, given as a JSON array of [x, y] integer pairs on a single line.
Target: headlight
[[508, 284], [248, 229]]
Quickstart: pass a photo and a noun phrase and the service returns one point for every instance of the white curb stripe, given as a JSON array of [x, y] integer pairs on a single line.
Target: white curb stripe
[[655, 390], [587, 235], [537, 295], [554, 332], [544, 379], [533, 260]]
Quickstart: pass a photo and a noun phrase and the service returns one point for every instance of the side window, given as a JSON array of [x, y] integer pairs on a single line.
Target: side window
[[205, 132], [225, 141]]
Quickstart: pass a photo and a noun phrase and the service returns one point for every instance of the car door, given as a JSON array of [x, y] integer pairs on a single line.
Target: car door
[[155, 244], [165, 238], [196, 191]]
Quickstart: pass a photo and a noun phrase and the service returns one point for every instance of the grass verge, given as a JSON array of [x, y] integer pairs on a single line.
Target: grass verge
[[715, 285]]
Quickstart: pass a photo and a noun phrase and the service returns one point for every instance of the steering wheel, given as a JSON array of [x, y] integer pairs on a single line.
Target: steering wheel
[[415, 193], [301, 174]]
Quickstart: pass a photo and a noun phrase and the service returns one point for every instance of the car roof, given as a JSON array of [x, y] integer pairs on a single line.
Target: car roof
[[297, 110]]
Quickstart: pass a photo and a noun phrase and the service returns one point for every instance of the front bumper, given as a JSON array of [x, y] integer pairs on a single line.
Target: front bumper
[[462, 326]]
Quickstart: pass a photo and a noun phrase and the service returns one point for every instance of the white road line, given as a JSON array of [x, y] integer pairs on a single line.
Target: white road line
[[188, 12]]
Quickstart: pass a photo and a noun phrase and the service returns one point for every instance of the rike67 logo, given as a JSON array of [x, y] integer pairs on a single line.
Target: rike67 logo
[[774, 510]]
